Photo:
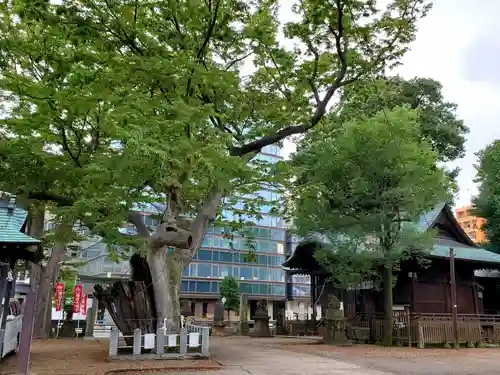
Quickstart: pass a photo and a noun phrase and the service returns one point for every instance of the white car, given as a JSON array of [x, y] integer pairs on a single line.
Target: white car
[[13, 328]]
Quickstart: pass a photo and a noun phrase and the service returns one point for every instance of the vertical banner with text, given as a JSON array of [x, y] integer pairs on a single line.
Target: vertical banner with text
[[59, 296], [77, 299], [83, 309]]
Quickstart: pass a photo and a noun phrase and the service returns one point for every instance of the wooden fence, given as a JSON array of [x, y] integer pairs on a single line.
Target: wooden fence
[[427, 329], [192, 342]]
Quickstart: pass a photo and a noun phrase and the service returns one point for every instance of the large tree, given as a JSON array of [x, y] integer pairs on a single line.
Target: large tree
[[437, 118], [361, 187], [116, 101], [487, 202]]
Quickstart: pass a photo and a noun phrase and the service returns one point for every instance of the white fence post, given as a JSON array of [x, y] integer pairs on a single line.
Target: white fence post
[[160, 341], [183, 341], [205, 341], [113, 342], [137, 341]]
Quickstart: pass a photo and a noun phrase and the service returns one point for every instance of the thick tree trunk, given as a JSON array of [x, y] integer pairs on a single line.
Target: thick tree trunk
[[131, 305], [388, 323], [166, 272], [163, 269]]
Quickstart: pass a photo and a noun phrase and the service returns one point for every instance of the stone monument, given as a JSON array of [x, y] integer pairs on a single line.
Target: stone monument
[[335, 324], [243, 328], [281, 324], [218, 326], [261, 319]]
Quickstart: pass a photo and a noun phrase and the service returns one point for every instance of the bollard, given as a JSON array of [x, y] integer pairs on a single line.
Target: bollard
[[183, 341], [205, 341], [160, 341], [113, 342], [137, 341]]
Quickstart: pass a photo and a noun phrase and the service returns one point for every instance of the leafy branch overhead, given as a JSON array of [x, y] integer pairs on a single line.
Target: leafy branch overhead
[[129, 97], [113, 102]]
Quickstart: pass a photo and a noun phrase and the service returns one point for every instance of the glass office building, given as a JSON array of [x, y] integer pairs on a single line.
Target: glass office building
[[219, 257]]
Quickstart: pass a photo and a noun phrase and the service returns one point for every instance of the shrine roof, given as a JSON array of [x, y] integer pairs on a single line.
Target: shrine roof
[[12, 220], [440, 218]]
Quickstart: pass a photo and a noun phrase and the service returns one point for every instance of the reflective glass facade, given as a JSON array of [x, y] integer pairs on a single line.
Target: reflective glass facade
[[220, 257]]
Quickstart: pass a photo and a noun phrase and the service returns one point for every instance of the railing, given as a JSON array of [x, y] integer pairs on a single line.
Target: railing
[[192, 341], [429, 329]]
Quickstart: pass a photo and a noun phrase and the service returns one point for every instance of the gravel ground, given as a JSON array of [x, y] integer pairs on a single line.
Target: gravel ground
[[406, 361], [243, 355]]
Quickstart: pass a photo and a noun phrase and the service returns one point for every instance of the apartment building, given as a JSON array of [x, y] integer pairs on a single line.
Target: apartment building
[[472, 225]]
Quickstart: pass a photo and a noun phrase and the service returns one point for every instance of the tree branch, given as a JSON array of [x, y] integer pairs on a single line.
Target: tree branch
[[136, 219], [210, 31], [258, 144]]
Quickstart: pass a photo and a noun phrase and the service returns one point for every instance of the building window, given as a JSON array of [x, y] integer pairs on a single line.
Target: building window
[[205, 255], [204, 270]]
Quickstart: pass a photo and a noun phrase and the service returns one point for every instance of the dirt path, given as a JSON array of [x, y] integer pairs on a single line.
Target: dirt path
[[405, 361], [82, 357]]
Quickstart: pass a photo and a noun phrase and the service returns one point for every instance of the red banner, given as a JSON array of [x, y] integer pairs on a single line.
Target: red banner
[[84, 305], [77, 299], [59, 296]]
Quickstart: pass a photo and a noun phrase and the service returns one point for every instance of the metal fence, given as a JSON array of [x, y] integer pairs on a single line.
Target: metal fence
[[192, 342]]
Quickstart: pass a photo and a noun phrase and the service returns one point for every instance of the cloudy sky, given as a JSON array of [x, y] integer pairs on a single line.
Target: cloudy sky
[[458, 45]]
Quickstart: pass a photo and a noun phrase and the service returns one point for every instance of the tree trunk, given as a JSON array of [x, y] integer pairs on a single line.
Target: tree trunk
[[48, 276], [166, 272], [388, 321]]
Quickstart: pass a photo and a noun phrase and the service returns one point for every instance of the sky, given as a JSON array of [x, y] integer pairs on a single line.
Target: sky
[[458, 45]]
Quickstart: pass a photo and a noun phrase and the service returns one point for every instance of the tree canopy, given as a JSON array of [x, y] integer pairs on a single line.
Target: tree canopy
[[362, 187], [230, 290], [437, 118], [487, 202], [114, 102]]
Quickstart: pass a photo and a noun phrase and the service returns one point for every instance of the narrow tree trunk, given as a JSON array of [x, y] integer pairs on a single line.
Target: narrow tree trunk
[[388, 323], [43, 313], [166, 272]]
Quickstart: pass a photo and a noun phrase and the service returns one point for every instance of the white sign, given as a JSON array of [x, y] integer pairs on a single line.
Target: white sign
[[194, 339], [149, 341], [171, 341]]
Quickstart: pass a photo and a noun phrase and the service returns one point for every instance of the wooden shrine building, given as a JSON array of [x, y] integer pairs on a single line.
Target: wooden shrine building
[[421, 289]]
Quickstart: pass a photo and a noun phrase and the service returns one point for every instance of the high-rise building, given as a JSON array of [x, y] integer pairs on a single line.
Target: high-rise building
[[472, 225], [261, 277]]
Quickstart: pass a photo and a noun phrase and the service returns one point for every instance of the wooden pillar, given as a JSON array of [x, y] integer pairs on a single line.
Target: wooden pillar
[[414, 292], [313, 299], [475, 290], [454, 307], [23, 356]]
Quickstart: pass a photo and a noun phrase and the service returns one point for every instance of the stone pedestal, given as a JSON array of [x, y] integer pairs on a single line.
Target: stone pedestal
[[335, 324], [261, 319], [281, 325], [218, 325]]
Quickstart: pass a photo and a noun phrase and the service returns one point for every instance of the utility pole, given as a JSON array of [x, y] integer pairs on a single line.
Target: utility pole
[[454, 309]]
